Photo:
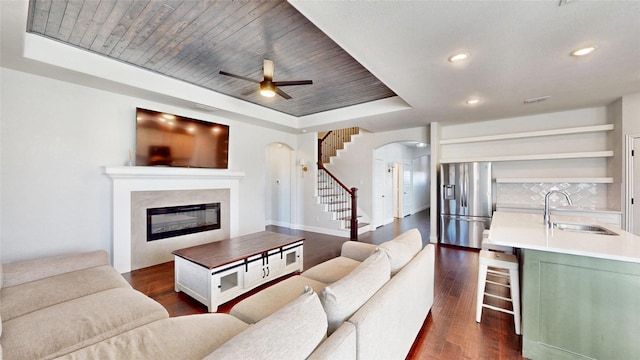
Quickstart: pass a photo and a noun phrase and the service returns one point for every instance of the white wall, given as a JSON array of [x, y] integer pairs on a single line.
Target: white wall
[[421, 183], [55, 138]]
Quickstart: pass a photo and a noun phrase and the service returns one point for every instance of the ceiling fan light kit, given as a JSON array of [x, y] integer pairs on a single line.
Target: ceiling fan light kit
[[268, 87]]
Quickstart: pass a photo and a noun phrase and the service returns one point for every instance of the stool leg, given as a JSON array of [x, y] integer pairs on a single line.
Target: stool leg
[[515, 297], [482, 280]]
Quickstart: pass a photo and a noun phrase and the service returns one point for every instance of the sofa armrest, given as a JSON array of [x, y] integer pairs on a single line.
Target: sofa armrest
[[357, 250], [30, 270], [402, 305], [340, 345]]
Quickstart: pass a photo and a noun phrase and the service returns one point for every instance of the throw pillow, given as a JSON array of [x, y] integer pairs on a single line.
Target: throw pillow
[[402, 249], [292, 332], [344, 297]]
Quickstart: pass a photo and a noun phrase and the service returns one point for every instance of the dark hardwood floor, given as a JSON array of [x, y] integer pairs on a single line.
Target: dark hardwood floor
[[450, 331]]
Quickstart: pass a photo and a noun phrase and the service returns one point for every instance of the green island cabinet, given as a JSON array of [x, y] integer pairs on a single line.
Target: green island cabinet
[[579, 307]]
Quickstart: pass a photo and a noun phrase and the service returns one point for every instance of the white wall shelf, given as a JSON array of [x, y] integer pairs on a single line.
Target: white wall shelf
[[592, 180], [529, 134], [555, 156]]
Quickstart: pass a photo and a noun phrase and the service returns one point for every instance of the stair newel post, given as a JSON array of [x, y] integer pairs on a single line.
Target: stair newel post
[[354, 214]]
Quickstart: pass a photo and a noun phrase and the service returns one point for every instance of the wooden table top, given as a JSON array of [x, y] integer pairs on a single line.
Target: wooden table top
[[215, 254]]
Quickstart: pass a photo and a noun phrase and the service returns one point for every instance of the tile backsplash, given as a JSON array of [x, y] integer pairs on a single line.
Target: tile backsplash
[[589, 195]]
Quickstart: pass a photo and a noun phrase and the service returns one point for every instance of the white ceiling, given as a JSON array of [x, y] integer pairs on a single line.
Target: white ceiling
[[519, 50]]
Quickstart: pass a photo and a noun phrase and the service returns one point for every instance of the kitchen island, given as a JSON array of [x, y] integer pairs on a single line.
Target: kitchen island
[[580, 290]]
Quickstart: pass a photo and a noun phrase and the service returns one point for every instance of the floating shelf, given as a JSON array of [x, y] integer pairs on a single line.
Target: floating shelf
[[529, 134], [556, 156], [593, 180]]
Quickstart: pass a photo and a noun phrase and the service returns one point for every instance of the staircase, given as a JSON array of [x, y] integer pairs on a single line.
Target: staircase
[[333, 141], [337, 198]]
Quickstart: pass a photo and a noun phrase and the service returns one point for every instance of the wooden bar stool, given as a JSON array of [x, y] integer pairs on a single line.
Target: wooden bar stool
[[499, 266]]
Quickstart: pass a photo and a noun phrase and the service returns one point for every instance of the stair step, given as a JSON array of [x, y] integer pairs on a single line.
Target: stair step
[[347, 218], [334, 202], [360, 225]]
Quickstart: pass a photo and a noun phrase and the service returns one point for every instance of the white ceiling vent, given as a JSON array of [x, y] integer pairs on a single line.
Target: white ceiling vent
[[536, 100]]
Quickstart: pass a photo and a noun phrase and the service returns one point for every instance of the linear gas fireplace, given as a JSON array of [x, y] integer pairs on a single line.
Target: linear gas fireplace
[[166, 222]]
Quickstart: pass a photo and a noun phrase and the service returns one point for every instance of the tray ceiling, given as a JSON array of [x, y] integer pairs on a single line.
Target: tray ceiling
[[193, 40]]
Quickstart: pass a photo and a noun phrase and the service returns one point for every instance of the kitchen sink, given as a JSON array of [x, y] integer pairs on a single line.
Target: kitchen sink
[[584, 228]]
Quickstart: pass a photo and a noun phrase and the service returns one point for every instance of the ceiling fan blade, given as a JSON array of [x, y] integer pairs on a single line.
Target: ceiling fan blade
[[294, 82], [283, 94], [239, 77], [248, 92], [268, 68]]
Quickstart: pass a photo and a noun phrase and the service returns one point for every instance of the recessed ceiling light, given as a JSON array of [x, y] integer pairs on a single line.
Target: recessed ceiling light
[[584, 51], [473, 101], [459, 57]]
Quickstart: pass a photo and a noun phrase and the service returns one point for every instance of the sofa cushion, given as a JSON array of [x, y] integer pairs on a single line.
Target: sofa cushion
[[69, 326], [402, 249], [292, 332], [31, 270], [25, 298], [264, 303], [184, 337], [357, 250], [332, 270], [344, 297]]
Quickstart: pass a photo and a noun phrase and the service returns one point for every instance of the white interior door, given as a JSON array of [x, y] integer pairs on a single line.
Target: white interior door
[[635, 187], [406, 189], [379, 198], [388, 195], [397, 190], [279, 185]]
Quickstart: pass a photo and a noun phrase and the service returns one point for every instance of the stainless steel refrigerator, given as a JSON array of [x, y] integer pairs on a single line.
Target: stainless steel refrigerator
[[466, 203]]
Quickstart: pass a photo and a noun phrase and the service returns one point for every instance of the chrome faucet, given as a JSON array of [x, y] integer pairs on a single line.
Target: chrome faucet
[[547, 219]]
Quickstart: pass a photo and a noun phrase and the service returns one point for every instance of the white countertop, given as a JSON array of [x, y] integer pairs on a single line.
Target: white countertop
[[527, 231]]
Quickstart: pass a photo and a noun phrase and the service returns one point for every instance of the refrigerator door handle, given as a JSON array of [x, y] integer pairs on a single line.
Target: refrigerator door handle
[[465, 186]]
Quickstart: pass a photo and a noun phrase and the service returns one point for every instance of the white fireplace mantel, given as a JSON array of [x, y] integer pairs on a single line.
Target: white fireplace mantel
[[127, 179]]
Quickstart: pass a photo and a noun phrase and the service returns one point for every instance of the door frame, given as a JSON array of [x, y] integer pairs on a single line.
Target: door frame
[[628, 188]]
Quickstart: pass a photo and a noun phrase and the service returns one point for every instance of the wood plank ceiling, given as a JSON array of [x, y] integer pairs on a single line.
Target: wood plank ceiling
[[193, 40]]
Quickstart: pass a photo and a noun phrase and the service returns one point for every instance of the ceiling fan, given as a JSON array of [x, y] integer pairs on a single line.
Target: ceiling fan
[[268, 87]]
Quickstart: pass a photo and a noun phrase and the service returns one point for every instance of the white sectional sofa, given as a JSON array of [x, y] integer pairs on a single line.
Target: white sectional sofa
[[376, 301], [365, 304]]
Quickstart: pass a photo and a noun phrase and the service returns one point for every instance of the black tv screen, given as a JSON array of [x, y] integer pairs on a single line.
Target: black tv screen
[[170, 140]]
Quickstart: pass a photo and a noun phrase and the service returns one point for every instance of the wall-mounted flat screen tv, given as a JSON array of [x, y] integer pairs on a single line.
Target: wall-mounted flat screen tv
[[170, 140]]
